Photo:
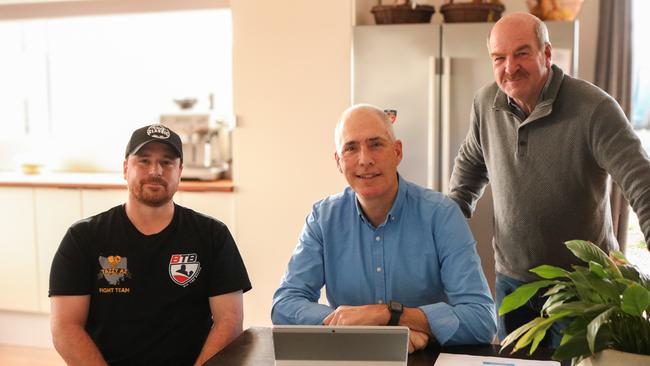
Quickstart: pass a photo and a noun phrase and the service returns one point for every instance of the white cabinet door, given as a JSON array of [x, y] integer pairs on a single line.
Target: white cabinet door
[[221, 206], [18, 275], [94, 201], [56, 209]]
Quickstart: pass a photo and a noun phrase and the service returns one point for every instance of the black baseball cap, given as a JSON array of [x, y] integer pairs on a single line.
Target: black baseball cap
[[155, 132]]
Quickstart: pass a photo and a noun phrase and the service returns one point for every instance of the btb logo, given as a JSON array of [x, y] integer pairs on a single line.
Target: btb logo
[[184, 268]]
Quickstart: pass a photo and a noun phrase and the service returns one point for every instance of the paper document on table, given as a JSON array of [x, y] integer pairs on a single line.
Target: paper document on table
[[450, 359]]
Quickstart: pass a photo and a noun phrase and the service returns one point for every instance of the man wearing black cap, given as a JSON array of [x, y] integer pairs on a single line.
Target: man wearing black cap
[[148, 282]]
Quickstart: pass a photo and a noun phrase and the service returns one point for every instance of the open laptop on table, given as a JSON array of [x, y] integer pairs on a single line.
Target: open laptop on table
[[313, 345]]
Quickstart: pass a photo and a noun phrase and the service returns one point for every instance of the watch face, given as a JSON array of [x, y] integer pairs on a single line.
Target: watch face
[[396, 306]]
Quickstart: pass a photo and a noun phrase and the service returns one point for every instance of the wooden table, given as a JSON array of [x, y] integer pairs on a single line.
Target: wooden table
[[254, 347]]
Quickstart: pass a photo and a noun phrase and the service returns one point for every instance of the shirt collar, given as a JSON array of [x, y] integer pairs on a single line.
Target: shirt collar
[[394, 211]]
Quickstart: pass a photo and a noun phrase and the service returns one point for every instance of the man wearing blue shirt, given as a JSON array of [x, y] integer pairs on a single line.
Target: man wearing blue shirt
[[387, 251]]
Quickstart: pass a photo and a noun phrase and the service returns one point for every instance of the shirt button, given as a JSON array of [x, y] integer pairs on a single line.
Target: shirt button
[[392, 218], [380, 301], [377, 238], [378, 269]]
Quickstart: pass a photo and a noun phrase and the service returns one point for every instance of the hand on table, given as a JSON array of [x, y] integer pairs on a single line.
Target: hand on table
[[417, 340], [375, 314]]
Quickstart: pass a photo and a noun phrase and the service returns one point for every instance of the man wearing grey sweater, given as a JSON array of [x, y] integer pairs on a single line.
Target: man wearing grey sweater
[[547, 143]]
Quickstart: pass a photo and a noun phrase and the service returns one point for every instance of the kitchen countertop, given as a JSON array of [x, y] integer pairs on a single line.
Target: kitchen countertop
[[98, 181]]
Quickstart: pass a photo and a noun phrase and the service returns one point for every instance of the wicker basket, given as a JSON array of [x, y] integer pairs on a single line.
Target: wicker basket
[[399, 14], [555, 10], [471, 12]]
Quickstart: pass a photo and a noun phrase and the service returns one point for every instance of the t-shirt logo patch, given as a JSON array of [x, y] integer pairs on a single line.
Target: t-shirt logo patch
[[114, 269], [184, 268]]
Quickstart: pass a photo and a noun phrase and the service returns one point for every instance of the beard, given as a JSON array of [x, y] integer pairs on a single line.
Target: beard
[[151, 198]]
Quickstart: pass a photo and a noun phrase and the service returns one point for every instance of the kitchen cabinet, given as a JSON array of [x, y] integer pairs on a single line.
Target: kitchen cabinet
[[95, 201], [55, 210], [217, 205], [18, 275]]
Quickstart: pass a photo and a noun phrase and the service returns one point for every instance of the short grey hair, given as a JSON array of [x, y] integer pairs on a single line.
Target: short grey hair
[[338, 131], [541, 32]]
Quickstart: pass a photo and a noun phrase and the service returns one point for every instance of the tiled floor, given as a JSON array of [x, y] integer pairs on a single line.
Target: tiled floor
[[29, 356]]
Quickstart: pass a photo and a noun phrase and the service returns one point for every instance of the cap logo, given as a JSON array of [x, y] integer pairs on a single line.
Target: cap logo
[[158, 131]]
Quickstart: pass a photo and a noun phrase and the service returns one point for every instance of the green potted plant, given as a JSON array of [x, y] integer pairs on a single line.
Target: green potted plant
[[608, 301]]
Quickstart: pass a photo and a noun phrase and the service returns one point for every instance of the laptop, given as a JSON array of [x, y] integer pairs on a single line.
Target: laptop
[[317, 345]]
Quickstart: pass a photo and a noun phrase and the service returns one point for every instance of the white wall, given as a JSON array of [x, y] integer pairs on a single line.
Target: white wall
[[291, 62]]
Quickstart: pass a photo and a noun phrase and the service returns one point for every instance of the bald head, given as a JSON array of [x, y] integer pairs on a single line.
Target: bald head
[[517, 23], [362, 111]]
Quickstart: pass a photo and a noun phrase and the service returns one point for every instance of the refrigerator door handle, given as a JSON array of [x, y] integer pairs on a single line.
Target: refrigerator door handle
[[445, 125], [433, 126]]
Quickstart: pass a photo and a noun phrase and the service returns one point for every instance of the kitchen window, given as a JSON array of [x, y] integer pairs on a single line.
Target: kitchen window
[[74, 87]]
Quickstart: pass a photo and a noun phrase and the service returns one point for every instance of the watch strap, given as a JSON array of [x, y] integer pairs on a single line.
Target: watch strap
[[395, 309]]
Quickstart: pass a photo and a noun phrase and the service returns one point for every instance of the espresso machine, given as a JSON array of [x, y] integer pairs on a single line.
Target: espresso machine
[[206, 142]]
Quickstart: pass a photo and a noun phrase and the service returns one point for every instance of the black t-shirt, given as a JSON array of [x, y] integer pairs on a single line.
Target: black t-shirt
[[148, 293]]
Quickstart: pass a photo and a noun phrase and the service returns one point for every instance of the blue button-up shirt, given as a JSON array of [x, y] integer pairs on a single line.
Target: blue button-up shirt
[[423, 256]]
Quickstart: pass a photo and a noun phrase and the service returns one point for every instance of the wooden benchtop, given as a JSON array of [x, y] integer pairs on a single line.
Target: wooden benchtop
[[98, 181]]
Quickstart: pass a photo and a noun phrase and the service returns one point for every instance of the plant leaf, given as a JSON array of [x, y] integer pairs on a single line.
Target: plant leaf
[[573, 347], [635, 300], [632, 272], [594, 326], [539, 335], [618, 257], [518, 332], [577, 346], [577, 325], [549, 272], [521, 295], [591, 287], [581, 308], [539, 327], [582, 285], [559, 287], [597, 269], [556, 300], [587, 251]]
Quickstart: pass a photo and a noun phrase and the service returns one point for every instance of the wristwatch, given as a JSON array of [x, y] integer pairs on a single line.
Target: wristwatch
[[396, 310]]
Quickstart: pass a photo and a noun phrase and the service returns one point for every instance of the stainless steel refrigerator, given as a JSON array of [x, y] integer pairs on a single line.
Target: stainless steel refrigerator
[[429, 74]]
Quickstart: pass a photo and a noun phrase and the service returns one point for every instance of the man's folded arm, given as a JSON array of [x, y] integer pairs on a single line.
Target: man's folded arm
[[227, 317], [462, 323], [68, 321], [468, 315], [296, 300]]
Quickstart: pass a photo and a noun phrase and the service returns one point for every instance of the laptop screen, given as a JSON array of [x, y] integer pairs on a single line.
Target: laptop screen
[[341, 343]]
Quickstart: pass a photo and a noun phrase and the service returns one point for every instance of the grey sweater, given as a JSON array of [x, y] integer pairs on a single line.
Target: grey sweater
[[549, 172]]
